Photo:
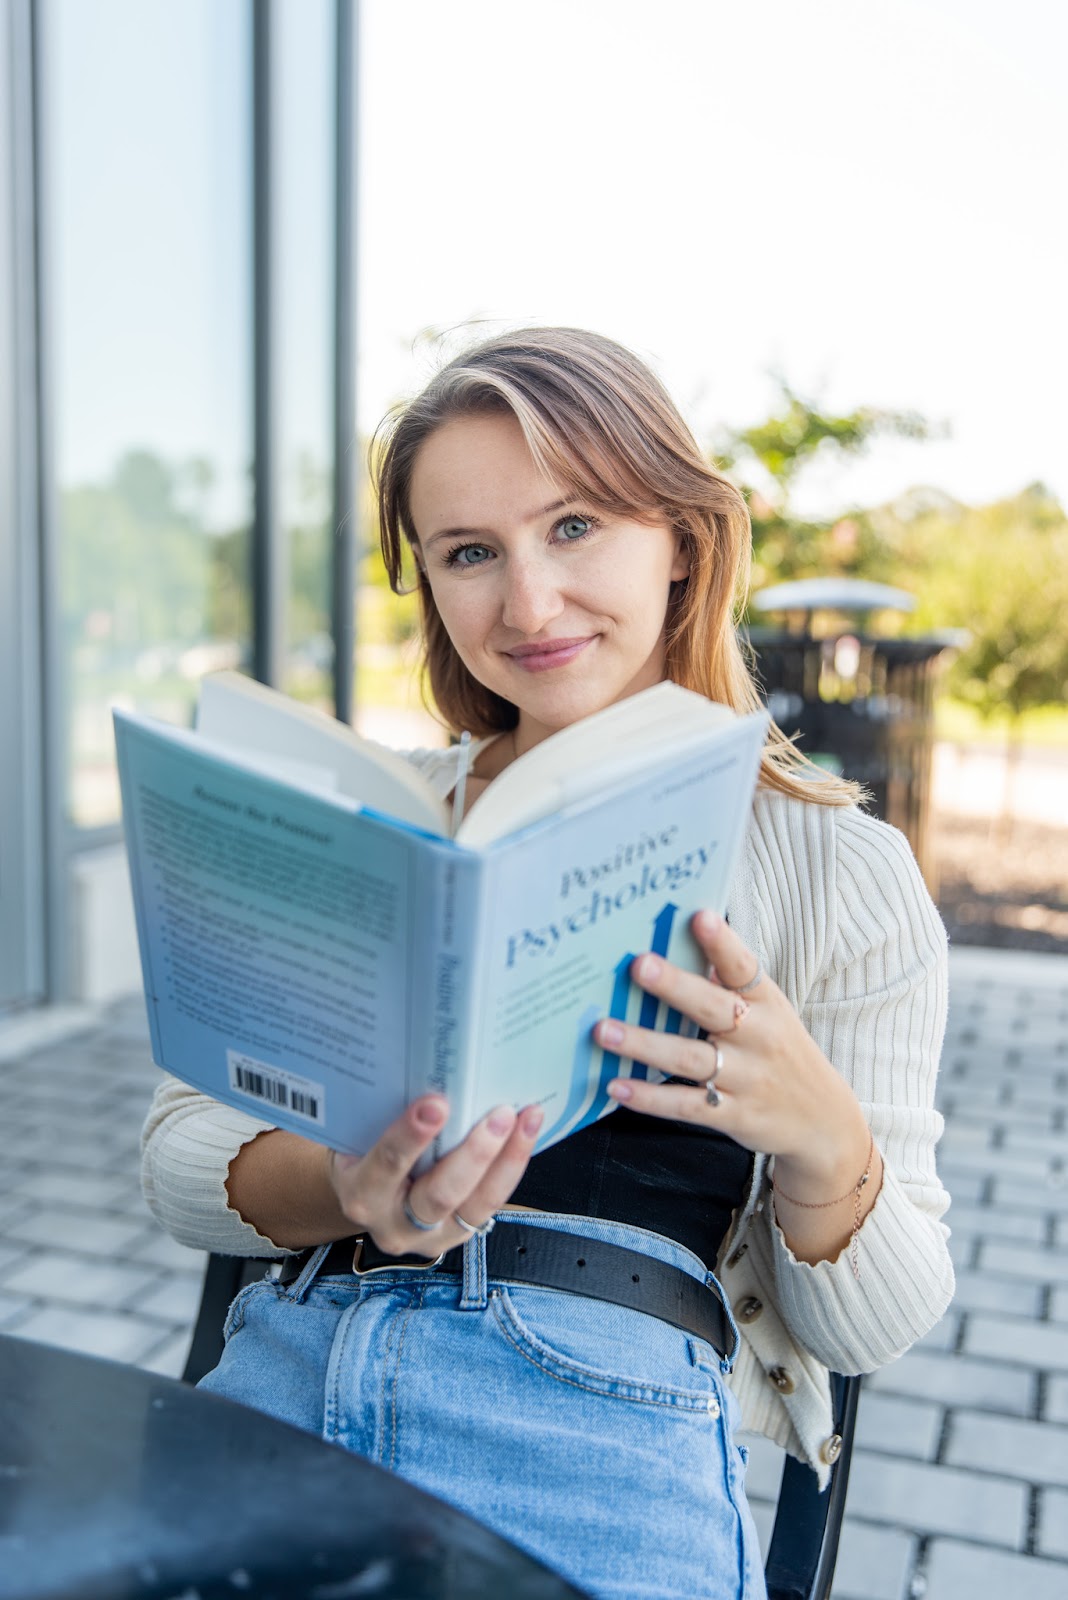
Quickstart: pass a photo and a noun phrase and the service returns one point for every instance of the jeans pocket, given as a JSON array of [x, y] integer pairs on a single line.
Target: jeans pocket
[[235, 1316], [604, 1349]]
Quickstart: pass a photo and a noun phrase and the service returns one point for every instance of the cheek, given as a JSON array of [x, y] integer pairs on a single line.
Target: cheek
[[465, 613], [639, 600]]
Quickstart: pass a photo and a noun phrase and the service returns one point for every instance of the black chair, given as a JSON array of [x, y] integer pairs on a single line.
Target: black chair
[[808, 1524]]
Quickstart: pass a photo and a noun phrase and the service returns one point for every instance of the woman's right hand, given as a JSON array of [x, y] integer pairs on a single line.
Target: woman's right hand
[[474, 1180]]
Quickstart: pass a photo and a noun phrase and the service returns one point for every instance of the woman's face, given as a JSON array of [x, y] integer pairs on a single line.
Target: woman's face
[[555, 606]]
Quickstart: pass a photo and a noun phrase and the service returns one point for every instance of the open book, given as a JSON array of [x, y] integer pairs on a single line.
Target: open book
[[317, 950]]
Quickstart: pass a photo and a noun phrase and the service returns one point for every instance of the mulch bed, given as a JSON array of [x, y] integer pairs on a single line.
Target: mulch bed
[[1004, 887]]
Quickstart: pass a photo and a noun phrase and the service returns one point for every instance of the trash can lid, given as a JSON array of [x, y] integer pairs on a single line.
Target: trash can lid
[[833, 594]]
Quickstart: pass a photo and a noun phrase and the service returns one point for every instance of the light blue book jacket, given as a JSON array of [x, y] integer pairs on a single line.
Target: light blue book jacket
[[321, 965]]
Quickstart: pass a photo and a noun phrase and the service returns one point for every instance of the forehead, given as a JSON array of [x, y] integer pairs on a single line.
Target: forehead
[[472, 464]]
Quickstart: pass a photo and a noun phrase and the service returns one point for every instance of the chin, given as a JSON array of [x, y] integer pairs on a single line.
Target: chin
[[561, 710]]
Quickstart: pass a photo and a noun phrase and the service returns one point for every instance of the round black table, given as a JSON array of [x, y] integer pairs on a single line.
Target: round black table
[[115, 1483]]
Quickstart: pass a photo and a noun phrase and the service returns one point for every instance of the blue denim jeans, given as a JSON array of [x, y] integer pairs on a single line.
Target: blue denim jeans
[[596, 1438]]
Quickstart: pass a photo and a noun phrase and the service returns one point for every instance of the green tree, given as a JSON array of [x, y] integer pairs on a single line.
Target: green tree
[[999, 573], [766, 460]]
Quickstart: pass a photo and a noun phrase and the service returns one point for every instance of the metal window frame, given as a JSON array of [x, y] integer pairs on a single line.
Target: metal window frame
[[268, 554], [43, 704], [347, 470], [29, 910]]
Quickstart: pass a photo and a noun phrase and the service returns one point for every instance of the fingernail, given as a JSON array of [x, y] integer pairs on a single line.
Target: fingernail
[[501, 1121], [531, 1121], [708, 922], [650, 968], [621, 1090], [430, 1113], [610, 1033]]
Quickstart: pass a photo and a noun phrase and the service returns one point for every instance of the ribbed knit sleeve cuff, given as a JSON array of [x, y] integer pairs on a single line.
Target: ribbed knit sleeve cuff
[[856, 1325], [187, 1145]]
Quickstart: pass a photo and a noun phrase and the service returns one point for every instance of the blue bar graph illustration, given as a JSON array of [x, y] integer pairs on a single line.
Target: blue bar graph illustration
[[581, 1108]]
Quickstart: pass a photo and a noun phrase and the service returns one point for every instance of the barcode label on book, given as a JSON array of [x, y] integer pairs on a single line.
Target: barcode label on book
[[285, 1091]]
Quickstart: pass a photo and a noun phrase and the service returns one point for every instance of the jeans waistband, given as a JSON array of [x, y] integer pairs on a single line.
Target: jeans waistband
[[533, 1249]]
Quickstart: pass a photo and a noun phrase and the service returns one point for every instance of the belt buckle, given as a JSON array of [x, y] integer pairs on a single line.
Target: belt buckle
[[398, 1265]]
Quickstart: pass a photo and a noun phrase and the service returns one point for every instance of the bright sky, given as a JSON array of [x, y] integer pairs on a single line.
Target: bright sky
[[869, 198]]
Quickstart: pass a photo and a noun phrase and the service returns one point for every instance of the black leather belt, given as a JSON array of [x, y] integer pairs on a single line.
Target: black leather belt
[[546, 1259]]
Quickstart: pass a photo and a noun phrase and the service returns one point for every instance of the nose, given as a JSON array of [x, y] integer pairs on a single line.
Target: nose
[[532, 597]]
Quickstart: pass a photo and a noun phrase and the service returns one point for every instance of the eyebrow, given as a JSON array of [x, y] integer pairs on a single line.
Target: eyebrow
[[481, 533]]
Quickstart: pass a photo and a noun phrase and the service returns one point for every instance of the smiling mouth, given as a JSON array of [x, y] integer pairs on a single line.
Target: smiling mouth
[[552, 653]]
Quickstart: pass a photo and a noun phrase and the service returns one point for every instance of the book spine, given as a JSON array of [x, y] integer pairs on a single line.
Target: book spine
[[131, 826], [444, 997]]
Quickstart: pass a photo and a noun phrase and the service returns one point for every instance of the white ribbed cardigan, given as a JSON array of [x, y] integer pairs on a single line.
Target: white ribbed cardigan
[[833, 904]]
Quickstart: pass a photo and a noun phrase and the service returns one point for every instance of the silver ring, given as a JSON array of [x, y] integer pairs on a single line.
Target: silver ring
[[417, 1222], [758, 977], [712, 1094], [481, 1229]]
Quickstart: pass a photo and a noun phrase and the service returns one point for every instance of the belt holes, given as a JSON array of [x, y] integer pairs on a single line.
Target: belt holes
[[522, 1250], [581, 1261], [634, 1278]]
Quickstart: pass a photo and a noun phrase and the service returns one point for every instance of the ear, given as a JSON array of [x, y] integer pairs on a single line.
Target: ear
[[680, 567]]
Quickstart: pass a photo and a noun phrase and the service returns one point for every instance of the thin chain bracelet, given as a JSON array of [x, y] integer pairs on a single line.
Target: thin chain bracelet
[[825, 1205]]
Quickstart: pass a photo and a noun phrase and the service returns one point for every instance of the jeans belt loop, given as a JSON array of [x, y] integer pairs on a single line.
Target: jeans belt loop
[[474, 1296]]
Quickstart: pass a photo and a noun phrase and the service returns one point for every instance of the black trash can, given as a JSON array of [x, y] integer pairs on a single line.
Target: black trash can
[[859, 704]]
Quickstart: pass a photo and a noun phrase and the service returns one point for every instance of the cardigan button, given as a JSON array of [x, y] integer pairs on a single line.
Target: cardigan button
[[782, 1380], [749, 1309], [732, 1261], [831, 1449]]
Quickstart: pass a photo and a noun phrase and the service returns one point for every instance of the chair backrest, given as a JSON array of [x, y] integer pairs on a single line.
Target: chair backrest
[[224, 1277], [808, 1523]]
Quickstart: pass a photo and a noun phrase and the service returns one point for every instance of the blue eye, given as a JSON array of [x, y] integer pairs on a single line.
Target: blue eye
[[467, 555], [573, 528]]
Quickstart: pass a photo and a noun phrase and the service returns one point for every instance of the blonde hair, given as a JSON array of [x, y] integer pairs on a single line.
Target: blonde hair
[[600, 425]]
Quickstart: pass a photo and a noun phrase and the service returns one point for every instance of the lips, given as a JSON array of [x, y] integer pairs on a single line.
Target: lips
[[549, 653]]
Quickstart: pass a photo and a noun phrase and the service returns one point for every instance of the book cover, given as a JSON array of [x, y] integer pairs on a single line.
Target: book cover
[[319, 964]]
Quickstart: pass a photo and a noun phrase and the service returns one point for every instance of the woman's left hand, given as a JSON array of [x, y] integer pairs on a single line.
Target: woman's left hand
[[777, 1091]]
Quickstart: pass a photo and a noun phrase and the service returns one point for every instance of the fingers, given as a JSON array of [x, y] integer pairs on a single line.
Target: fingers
[[714, 1008], [502, 1176], [387, 1166], [676, 1102], [735, 965], [477, 1177], [379, 1195], [666, 1052]]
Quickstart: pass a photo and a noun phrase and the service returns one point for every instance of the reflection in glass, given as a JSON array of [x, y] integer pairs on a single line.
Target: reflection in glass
[[148, 223], [304, 109]]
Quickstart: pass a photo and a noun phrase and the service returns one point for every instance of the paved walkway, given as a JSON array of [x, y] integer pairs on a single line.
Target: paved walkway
[[959, 1488]]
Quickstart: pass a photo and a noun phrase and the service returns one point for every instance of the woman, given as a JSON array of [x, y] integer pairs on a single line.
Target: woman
[[573, 547]]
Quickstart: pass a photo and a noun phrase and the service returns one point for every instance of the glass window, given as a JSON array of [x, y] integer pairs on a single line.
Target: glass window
[[148, 136], [303, 195]]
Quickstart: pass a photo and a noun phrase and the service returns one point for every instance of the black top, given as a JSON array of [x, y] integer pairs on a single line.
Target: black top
[[670, 1177]]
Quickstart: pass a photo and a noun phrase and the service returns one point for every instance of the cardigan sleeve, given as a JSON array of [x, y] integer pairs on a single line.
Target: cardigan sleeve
[[877, 1009], [187, 1146]]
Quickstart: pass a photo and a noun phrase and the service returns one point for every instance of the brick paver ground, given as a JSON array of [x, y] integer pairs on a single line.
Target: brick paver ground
[[959, 1488]]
